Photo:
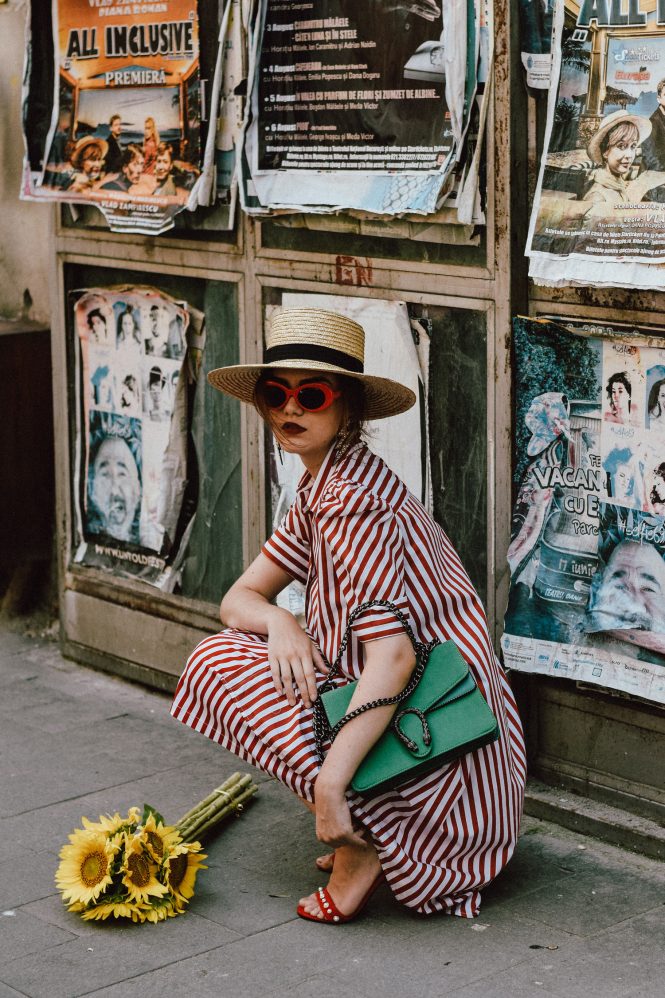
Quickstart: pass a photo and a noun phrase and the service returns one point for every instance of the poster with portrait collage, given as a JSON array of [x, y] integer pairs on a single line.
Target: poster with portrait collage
[[132, 442], [587, 551], [126, 118]]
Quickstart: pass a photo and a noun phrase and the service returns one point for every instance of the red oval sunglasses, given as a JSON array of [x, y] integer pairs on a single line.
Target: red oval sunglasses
[[315, 396]]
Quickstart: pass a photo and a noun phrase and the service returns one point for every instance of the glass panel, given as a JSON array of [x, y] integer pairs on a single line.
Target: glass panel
[[407, 246], [458, 433]]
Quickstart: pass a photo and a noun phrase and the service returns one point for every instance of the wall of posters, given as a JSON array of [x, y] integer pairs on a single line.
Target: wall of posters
[[599, 211], [587, 555], [131, 448], [126, 118], [360, 106]]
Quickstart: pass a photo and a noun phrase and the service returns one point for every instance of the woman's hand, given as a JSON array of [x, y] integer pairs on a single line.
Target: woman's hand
[[333, 817], [292, 658]]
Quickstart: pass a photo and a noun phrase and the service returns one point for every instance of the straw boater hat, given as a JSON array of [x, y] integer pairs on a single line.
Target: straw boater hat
[[78, 156], [642, 124], [316, 340]]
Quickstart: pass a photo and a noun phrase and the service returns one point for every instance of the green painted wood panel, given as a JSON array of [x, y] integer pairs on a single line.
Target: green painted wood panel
[[458, 433]]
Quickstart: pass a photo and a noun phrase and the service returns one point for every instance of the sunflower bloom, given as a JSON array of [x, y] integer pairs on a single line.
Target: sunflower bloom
[[118, 909], [181, 868], [139, 872], [159, 839], [85, 868], [160, 910]]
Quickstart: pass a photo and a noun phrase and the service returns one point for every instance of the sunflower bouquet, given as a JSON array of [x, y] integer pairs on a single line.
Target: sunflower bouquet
[[137, 866]]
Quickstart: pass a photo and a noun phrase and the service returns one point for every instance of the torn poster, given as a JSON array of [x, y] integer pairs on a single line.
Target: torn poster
[[131, 441], [351, 104], [126, 117], [599, 212], [587, 554]]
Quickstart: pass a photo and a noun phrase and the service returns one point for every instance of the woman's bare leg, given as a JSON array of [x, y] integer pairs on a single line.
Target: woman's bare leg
[[354, 871]]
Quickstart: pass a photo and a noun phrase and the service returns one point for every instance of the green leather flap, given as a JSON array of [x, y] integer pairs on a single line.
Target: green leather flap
[[447, 677], [458, 718]]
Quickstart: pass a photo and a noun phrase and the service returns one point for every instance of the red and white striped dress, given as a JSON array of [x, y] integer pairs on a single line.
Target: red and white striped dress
[[356, 534]]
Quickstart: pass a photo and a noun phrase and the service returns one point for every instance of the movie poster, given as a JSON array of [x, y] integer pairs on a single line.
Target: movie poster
[[359, 106], [599, 211], [587, 551], [131, 464], [125, 131]]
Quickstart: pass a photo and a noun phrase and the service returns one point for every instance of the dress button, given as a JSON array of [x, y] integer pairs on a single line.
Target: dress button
[[407, 25]]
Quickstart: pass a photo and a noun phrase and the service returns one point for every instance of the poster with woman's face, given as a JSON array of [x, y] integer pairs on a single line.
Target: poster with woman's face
[[132, 428]]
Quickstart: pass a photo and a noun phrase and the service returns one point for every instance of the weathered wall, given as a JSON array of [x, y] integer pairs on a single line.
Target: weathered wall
[[24, 250]]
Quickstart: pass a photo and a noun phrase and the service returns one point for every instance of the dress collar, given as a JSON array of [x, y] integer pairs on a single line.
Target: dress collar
[[310, 489]]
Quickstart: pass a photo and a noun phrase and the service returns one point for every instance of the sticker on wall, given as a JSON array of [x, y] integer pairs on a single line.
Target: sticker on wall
[[130, 470], [587, 554], [126, 120]]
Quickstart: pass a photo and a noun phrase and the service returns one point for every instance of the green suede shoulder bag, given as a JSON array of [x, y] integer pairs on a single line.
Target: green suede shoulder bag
[[443, 714]]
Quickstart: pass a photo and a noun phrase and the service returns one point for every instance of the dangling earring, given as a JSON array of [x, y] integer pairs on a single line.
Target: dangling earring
[[280, 453]]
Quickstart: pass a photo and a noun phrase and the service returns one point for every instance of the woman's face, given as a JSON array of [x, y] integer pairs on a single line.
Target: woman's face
[[307, 434], [620, 156], [98, 327], [127, 325], [661, 393], [620, 399]]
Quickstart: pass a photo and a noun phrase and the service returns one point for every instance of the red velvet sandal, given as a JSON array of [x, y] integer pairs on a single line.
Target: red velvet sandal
[[331, 915]]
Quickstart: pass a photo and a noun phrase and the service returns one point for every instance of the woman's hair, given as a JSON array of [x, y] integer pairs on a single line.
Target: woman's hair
[[95, 313], [659, 472], [653, 405], [352, 423], [127, 310], [626, 130], [619, 378], [150, 129]]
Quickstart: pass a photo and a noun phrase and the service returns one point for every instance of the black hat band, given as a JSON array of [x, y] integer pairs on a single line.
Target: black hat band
[[310, 351]]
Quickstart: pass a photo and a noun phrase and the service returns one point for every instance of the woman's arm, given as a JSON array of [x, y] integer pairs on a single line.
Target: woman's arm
[[389, 663], [291, 655]]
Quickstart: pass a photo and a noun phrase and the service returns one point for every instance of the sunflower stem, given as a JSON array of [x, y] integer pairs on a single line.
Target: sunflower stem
[[228, 787], [222, 799], [197, 831]]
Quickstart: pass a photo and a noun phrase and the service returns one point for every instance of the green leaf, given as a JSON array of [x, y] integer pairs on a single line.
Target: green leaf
[[147, 811]]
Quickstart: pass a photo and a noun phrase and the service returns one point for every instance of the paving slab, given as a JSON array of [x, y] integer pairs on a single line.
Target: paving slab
[[113, 955], [568, 917], [21, 935]]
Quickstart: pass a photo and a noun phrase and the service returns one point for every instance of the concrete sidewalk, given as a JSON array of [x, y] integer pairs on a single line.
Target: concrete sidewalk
[[569, 917]]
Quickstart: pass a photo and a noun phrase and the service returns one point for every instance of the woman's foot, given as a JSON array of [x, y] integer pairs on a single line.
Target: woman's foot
[[325, 862], [356, 869]]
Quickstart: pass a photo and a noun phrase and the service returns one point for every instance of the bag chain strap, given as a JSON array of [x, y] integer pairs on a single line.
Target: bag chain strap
[[322, 729]]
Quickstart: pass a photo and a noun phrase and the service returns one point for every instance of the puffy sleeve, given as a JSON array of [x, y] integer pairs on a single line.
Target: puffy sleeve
[[365, 544], [289, 546]]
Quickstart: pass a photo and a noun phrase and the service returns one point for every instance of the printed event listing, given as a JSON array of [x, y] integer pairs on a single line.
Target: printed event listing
[[587, 555], [599, 212], [351, 104]]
